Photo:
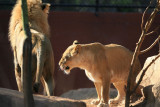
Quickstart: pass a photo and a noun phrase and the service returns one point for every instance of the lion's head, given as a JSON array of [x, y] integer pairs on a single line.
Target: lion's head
[[70, 57], [37, 15]]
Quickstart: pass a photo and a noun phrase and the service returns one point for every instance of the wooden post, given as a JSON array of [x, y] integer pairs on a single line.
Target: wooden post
[[27, 74]]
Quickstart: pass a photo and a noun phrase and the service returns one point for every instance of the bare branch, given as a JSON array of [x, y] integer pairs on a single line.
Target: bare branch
[[155, 30], [154, 43], [150, 33], [150, 19], [134, 58], [143, 72], [144, 14]]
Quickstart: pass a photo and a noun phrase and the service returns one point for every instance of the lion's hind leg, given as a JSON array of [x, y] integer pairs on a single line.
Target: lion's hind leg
[[40, 63], [17, 72], [48, 84], [120, 86], [18, 77]]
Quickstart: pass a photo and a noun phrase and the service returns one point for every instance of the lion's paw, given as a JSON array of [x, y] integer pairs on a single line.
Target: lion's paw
[[103, 105], [36, 87], [95, 102], [114, 101]]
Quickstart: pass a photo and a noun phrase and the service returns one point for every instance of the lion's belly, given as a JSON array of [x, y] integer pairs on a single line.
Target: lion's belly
[[92, 77], [117, 76]]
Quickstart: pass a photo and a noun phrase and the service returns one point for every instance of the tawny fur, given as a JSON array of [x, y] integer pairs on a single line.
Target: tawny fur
[[42, 53], [103, 64]]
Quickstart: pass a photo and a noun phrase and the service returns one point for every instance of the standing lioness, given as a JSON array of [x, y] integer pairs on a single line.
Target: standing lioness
[[103, 64]]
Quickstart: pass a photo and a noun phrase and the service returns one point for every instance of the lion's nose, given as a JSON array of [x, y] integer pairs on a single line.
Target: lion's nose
[[61, 68]]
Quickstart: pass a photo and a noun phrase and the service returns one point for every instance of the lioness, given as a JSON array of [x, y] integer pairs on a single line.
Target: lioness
[[42, 53], [103, 64]]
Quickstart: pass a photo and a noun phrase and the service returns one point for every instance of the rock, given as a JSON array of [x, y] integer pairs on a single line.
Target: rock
[[151, 83], [156, 93], [151, 76], [12, 98], [80, 94], [86, 93]]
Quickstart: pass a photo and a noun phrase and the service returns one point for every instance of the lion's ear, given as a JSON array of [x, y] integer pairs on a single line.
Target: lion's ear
[[35, 1], [76, 50], [75, 42], [46, 7]]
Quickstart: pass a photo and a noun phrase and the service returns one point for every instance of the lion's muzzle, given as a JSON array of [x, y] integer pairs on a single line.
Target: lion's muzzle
[[66, 69], [63, 68]]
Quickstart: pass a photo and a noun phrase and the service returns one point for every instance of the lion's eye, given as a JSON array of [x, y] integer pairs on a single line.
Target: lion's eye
[[67, 57], [64, 60]]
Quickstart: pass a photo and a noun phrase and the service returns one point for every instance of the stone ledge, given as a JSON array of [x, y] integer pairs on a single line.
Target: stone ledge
[[13, 98]]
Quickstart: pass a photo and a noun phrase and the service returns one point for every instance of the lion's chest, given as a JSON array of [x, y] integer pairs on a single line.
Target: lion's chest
[[91, 76]]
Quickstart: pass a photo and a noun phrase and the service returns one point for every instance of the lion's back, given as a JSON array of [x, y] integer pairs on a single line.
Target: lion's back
[[119, 60]]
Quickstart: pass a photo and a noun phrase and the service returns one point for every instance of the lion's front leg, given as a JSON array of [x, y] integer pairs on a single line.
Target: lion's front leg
[[98, 89], [104, 93]]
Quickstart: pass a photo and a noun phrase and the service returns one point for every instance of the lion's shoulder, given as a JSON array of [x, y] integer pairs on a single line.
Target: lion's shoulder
[[117, 47]]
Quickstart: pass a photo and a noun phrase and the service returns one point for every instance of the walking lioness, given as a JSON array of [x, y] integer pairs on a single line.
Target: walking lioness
[[103, 64], [42, 53]]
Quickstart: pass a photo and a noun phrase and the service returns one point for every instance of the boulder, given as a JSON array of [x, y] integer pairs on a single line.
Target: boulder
[[13, 98], [156, 94], [86, 93], [152, 75], [151, 83]]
